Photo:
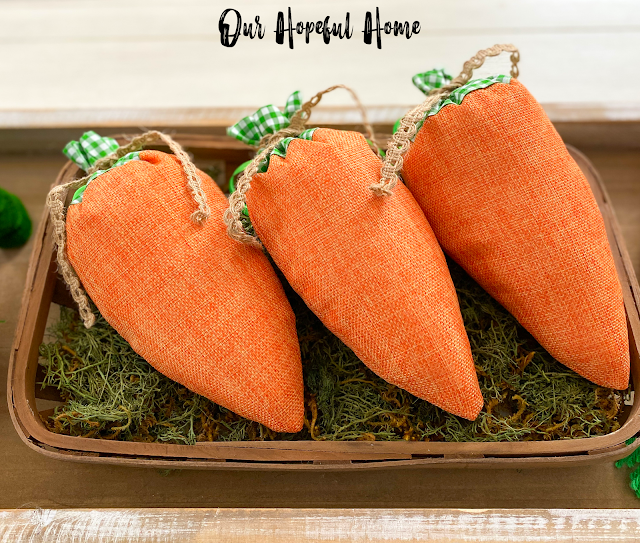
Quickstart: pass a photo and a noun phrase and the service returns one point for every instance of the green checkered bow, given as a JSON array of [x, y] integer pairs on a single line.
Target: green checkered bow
[[267, 120], [433, 79], [87, 151], [91, 148]]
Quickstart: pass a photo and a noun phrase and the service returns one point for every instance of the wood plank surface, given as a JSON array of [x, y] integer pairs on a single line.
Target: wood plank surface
[[318, 525], [222, 117], [29, 479]]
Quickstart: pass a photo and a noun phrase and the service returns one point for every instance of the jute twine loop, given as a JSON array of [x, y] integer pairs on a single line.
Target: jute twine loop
[[295, 128], [369, 134], [55, 202], [401, 140], [193, 181], [58, 196], [238, 200]]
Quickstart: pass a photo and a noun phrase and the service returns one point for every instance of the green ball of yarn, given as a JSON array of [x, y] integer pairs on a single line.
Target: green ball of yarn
[[15, 224]]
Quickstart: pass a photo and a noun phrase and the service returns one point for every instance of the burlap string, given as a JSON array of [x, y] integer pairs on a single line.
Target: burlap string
[[401, 140], [58, 195], [237, 200]]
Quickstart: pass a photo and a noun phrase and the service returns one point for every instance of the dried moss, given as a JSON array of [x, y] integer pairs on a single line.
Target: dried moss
[[112, 393]]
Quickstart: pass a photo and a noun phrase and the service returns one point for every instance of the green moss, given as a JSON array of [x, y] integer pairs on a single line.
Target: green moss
[[112, 393], [15, 224]]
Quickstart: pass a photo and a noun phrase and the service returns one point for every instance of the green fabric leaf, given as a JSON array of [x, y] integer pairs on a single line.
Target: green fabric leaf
[[267, 120], [433, 79], [91, 148]]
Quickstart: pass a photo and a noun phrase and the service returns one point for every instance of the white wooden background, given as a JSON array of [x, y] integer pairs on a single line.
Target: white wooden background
[[81, 55]]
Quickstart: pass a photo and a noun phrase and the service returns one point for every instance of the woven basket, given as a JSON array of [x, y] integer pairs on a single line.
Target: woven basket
[[44, 288]]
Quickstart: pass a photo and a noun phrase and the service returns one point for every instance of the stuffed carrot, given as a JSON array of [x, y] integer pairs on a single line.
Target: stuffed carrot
[[203, 310], [507, 202], [369, 268]]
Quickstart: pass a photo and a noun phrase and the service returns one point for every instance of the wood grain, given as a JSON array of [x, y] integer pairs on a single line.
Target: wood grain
[[222, 117], [319, 525]]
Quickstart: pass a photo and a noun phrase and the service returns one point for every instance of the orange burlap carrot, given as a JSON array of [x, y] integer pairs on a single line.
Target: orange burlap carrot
[[506, 201], [202, 309], [370, 268]]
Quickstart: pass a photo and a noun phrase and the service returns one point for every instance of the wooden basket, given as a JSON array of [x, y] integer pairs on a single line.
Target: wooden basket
[[43, 287]]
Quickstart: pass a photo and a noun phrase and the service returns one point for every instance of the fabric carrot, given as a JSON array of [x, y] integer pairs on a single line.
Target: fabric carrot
[[369, 268], [507, 202], [202, 309]]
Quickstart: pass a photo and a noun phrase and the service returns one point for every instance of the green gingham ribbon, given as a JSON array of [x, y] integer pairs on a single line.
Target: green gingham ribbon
[[267, 120], [433, 79], [91, 148], [87, 151], [457, 96]]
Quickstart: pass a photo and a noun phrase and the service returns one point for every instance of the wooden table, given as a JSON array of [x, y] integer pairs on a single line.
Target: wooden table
[[29, 480]]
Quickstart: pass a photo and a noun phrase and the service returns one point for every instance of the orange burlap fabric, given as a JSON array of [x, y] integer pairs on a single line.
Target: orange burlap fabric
[[506, 200], [202, 309], [370, 268]]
